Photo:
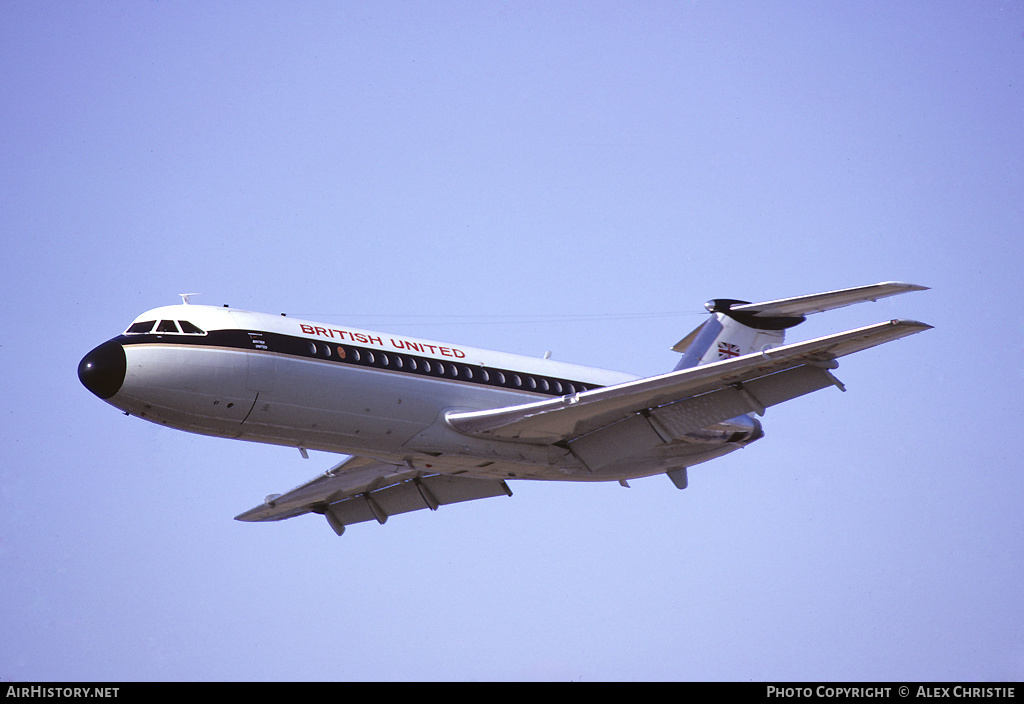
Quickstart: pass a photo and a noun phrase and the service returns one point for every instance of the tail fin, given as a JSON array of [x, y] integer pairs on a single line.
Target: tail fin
[[737, 328], [726, 335]]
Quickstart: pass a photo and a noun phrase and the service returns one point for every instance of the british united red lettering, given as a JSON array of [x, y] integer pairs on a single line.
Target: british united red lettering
[[406, 345], [398, 344]]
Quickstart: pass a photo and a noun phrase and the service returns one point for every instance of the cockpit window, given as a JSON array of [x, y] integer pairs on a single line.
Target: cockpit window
[[174, 327]]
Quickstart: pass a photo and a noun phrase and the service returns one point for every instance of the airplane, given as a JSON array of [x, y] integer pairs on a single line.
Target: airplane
[[427, 424]]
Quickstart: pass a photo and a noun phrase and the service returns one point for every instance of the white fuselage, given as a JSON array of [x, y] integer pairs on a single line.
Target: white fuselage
[[285, 381]]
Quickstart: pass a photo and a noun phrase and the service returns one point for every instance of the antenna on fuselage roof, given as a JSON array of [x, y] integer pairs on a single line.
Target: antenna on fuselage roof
[[186, 296]]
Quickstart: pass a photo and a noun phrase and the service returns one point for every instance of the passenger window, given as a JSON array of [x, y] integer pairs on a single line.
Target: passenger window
[[141, 327], [167, 326]]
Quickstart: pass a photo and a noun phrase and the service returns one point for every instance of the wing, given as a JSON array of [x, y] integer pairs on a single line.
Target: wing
[[361, 489], [690, 398]]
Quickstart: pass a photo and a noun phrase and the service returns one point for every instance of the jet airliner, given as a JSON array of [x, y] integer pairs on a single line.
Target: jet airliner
[[426, 424]]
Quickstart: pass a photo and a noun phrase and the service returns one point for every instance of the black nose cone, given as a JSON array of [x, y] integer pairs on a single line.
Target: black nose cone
[[102, 370]]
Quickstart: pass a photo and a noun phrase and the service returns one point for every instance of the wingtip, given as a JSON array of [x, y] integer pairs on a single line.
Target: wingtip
[[250, 515], [915, 325], [907, 287]]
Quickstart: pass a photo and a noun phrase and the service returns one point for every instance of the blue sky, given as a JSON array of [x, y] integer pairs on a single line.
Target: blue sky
[[521, 176]]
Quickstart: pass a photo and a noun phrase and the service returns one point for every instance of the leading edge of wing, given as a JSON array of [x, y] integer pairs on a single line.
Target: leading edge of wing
[[363, 489], [350, 477], [573, 415]]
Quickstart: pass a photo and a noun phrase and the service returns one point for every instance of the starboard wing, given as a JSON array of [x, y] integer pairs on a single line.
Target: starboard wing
[[362, 489]]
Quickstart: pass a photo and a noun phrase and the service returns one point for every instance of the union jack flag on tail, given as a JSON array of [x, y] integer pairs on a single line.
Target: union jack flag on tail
[[727, 350]]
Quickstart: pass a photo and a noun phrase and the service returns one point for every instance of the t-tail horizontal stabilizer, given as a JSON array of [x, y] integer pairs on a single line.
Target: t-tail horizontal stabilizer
[[738, 327], [821, 302]]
